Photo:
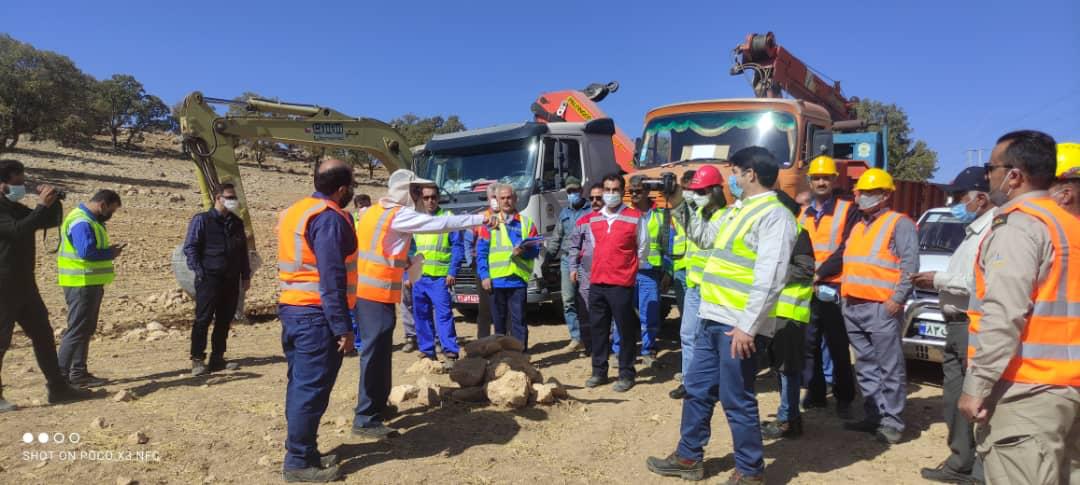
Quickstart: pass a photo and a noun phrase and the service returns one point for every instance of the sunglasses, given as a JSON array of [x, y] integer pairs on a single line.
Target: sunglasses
[[596, 197], [229, 197], [989, 167], [636, 192], [430, 197]]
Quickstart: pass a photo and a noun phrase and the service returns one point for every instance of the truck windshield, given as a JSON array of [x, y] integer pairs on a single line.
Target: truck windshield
[[472, 169], [940, 232], [717, 135]]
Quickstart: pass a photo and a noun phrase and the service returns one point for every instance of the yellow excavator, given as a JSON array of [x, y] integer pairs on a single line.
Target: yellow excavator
[[211, 138]]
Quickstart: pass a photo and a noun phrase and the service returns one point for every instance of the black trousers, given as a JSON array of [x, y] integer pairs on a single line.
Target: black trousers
[[216, 297], [826, 321], [607, 302], [483, 312], [21, 302], [961, 431]]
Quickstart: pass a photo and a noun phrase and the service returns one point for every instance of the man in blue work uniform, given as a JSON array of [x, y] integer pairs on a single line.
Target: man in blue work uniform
[[85, 265], [558, 246], [431, 293], [314, 312], [504, 264], [650, 271]]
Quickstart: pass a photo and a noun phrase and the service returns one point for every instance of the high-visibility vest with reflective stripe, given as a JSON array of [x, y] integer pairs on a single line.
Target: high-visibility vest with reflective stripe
[[656, 220], [827, 234], [697, 257], [501, 259], [298, 272], [1049, 351], [75, 271], [794, 302], [380, 274], [871, 270], [436, 250], [679, 247], [729, 273]]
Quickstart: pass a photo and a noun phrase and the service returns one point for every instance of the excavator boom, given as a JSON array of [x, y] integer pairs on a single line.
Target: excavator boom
[[576, 106]]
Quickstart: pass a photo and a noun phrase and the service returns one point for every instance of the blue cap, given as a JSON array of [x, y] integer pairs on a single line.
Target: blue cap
[[971, 178]]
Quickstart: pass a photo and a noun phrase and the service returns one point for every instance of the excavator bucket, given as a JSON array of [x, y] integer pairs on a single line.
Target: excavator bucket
[[578, 106]]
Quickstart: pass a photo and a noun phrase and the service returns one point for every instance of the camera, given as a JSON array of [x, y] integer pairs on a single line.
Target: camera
[[665, 184], [61, 195]]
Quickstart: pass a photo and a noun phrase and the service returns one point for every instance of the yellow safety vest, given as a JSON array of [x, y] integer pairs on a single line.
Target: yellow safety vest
[[653, 225], [436, 251], [729, 273], [501, 259], [75, 271], [679, 247], [794, 302], [696, 257]]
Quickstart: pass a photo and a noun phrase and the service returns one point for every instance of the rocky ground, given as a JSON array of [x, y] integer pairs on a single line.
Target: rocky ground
[[156, 424]]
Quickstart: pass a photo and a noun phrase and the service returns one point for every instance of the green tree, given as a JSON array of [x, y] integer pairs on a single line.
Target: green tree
[[417, 130], [117, 98], [150, 114], [909, 158], [257, 149]]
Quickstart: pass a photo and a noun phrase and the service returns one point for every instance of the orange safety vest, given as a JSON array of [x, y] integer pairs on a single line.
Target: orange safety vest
[[871, 270], [1049, 351], [381, 273], [827, 234], [296, 261]]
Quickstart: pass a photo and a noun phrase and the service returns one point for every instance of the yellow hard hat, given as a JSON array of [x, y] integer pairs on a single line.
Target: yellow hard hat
[[822, 165], [875, 179], [1068, 160]]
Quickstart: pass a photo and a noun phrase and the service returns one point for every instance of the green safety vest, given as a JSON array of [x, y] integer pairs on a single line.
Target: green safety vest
[[794, 302], [75, 271], [501, 260], [656, 219], [679, 247], [436, 250], [696, 257], [729, 272]]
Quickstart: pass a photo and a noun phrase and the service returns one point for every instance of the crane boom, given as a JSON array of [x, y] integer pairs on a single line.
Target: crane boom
[[776, 70]]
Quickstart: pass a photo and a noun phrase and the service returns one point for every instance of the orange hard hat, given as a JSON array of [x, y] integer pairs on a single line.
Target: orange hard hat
[[705, 177]]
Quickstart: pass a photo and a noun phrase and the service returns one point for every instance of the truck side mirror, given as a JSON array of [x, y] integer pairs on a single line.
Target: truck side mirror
[[822, 144]]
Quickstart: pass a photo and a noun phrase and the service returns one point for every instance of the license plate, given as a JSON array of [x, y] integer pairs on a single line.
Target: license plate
[[467, 298], [931, 329]]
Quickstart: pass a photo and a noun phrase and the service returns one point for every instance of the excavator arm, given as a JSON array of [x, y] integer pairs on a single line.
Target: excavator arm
[[210, 138], [574, 105]]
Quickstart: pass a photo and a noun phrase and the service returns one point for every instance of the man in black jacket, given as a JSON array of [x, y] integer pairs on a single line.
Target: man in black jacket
[[216, 250], [21, 301]]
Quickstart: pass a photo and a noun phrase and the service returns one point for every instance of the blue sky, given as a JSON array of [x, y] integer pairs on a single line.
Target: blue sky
[[965, 71]]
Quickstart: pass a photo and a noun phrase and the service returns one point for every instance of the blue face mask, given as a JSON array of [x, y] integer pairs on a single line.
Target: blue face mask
[[15, 192], [733, 186], [961, 212], [574, 198]]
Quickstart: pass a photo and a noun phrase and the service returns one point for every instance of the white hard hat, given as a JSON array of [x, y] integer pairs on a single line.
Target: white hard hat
[[400, 183]]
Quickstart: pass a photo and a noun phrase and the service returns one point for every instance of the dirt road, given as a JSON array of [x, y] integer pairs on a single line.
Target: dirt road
[[229, 427]]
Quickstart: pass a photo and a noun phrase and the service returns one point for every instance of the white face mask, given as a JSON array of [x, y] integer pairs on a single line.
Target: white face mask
[[232, 205], [16, 192], [867, 202], [494, 204], [612, 200], [701, 200]]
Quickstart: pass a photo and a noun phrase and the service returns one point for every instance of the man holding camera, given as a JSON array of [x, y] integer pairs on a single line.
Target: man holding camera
[[22, 301], [85, 265]]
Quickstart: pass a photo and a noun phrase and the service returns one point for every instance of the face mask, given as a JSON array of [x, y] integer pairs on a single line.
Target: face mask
[[494, 204], [688, 195], [612, 200], [574, 198], [701, 200], [733, 186], [16, 192], [998, 197], [232, 205], [867, 202], [105, 217], [961, 212]]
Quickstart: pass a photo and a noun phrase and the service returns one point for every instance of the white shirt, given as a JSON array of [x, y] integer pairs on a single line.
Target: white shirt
[[408, 222], [642, 232], [957, 282], [772, 238]]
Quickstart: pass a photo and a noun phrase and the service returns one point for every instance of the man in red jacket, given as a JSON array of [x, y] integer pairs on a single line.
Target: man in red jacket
[[620, 240]]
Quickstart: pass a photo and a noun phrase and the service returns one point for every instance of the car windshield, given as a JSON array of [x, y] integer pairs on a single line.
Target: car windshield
[[939, 231], [717, 135], [472, 169]]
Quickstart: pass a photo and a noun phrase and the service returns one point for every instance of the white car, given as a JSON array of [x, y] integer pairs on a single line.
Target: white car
[[924, 325]]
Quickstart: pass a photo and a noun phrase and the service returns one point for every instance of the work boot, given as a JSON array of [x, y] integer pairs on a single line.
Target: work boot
[[575, 345], [648, 360], [623, 385], [65, 392], [328, 460], [312, 474], [888, 435], [737, 478], [378, 431], [410, 345], [863, 426], [87, 380], [791, 428], [811, 404], [942, 473], [220, 364], [198, 368], [596, 381], [678, 392], [673, 466], [843, 410]]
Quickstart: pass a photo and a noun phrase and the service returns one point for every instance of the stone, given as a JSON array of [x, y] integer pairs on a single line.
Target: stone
[[425, 367], [98, 423], [509, 391], [264, 460], [469, 372], [428, 395], [506, 360], [210, 479], [156, 335], [123, 396], [541, 394], [402, 393], [507, 342], [482, 347], [138, 438], [122, 480], [469, 394], [557, 388], [154, 327]]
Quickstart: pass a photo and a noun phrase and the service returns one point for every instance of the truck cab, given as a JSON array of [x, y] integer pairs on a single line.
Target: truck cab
[[536, 159]]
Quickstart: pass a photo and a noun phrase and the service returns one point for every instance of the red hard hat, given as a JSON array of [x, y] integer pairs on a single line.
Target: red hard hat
[[706, 176]]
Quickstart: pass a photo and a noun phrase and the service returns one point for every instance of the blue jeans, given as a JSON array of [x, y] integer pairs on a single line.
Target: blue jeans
[[648, 301], [568, 291], [508, 310], [314, 361], [377, 322], [431, 297], [688, 327], [789, 397], [715, 376]]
